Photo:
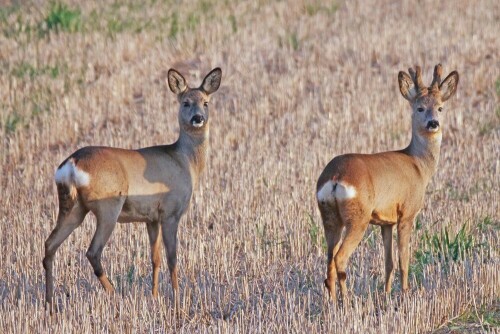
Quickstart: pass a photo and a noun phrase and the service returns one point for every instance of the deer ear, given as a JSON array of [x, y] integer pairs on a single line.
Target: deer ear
[[406, 86], [449, 86], [176, 82], [212, 81]]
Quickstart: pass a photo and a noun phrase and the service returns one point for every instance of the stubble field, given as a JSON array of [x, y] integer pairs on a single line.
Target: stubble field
[[303, 81]]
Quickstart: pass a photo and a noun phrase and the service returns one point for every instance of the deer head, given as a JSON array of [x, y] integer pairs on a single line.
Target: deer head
[[427, 102], [193, 110]]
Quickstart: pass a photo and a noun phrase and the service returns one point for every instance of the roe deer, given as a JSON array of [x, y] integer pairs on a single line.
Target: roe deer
[[151, 185], [385, 189]]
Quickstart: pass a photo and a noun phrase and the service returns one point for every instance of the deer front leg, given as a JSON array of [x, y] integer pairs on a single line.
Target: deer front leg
[[169, 227], [154, 240], [389, 262], [405, 227]]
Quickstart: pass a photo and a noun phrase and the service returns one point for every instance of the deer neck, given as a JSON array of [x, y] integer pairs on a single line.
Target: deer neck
[[425, 150], [194, 147]]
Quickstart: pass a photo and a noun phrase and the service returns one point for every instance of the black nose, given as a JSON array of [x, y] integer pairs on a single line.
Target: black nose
[[432, 124], [197, 119]]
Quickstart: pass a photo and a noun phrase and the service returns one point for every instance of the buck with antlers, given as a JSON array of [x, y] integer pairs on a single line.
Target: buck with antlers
[[385, 189], [151, 185]]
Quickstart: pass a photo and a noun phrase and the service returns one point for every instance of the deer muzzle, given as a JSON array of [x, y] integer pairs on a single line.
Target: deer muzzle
[[197, 121], [432, 125]]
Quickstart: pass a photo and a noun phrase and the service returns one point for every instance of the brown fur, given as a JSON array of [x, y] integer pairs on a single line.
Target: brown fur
[[152, 185], [390, 186]]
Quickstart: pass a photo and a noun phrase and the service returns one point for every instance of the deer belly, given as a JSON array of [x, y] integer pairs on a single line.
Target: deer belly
[[384, 217], [139, 211]]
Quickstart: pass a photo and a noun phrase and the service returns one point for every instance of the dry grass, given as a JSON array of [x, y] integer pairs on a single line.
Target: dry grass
[[303, 82]]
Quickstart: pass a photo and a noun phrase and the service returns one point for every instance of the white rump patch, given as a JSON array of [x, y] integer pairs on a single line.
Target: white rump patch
[[335, 190], [70, 174], [345, 191], [82, 178], [326, 193], [63, 174]]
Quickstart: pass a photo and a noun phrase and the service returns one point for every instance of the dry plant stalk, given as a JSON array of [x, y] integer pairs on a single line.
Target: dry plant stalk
[[385, 189]]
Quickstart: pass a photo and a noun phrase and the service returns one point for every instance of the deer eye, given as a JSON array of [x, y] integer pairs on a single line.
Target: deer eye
[[186, 104], [420, 109], [440, 109]]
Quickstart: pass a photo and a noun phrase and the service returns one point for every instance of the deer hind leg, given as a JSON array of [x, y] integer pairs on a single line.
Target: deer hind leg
[[107, 213], [389, 262], [69, 218], [355, 229], [333, 232], [154, 240], [333, 236]]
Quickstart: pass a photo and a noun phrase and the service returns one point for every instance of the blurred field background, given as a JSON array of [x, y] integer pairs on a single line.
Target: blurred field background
[[303, 81]]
